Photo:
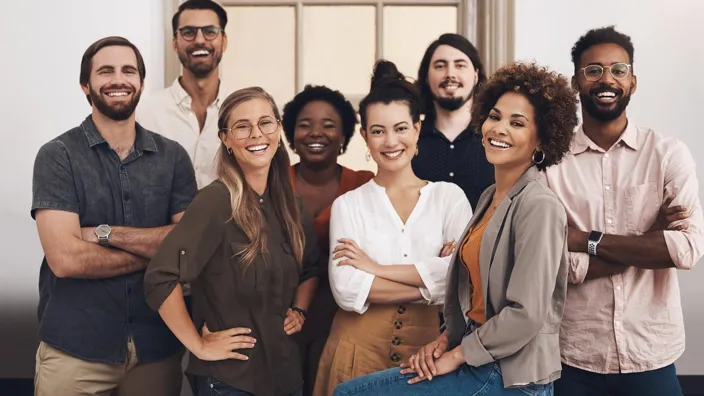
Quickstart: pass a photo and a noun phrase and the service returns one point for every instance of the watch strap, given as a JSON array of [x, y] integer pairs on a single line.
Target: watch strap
[[301, 311]]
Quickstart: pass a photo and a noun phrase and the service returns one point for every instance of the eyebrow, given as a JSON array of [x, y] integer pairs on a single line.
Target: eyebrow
[[458, 60], [514, 115], [309, 118], [247, 119]]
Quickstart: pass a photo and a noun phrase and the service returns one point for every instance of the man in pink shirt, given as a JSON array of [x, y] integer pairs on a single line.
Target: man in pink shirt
[[632, 201]]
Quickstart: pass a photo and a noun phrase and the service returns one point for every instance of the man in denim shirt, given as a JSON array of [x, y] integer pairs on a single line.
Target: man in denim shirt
[[104, 196]]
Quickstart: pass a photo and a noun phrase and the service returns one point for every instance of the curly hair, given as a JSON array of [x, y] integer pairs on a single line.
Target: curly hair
[[552, 98], [604, 35], [313, 93]]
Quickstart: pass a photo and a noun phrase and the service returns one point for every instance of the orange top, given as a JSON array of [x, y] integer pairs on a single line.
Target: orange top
[[349, 180], [469, 254]]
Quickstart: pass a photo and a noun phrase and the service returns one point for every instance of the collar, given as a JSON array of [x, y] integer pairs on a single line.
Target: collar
[[428, 129], [182, 97], [581, 141], [144, 141]]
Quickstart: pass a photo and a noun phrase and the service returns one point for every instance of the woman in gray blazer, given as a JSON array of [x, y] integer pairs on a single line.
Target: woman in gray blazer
[[507, 283]]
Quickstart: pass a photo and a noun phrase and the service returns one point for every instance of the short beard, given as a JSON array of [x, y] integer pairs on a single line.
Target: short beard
[[592, 108], [118, 113], [452, 104], [200, 70]]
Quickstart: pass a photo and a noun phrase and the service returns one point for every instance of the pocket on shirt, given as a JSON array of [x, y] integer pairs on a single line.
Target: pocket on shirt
[[642, 205], [157, 201]]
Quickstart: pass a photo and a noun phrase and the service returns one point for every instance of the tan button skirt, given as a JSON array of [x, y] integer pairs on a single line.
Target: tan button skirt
[[383, 337]]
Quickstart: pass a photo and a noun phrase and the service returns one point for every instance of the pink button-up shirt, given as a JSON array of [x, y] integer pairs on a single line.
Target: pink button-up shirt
[[630, 322]]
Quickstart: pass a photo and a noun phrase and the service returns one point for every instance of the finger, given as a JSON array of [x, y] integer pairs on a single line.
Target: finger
[[419, 363], [204, 330], [237, 356], [675, 209], [242, 339], [667, 201], [424, 366], [348, 241], [241, 345], [430, 365], [412, 363], [440, 349], [289, 327], [407, 371], [415, 380], [238, 331]]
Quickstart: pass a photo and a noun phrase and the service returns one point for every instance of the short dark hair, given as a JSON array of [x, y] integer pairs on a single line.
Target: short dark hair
[[389, 85], [604, 35], [200, 5], [87, 60], [553, 100], [313, 93], [458, 42]]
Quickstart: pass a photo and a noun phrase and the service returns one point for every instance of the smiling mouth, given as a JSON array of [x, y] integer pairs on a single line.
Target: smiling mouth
[[606, 96], [257, 149], [117, 94], [316, 147], [499, 144], [200, 53], [393, 154]]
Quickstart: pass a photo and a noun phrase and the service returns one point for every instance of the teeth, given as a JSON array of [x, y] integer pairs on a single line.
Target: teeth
[[497, 143], [200, 52], [393, 154], [606, 95], [316, 145], [258, 147], [113, 94]]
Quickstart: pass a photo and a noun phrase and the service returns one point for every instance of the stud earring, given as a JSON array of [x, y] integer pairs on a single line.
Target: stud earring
[[368, 156], [342, 150]]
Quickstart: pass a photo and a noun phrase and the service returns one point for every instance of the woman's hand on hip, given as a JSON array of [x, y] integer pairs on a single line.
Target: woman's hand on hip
[[220, 345]]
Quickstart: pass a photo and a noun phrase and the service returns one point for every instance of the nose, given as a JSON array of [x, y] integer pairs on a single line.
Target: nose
[[316, 130], [606, 78], [255, 133], [450, 71], [200, 38]]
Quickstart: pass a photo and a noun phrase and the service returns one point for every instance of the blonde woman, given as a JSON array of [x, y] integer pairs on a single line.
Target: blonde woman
[[243, 248]]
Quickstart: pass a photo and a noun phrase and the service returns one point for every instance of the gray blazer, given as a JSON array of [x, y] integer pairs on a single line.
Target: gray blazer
[[523, 263]]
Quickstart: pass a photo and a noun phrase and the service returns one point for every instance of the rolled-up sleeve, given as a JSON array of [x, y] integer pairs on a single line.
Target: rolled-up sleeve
[[186, 250], [350, 286], [433, 270], [579, 266], [540, 229], [685, 247]]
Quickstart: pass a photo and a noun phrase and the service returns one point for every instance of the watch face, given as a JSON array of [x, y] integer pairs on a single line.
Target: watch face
[[594, 236], [102, 231]]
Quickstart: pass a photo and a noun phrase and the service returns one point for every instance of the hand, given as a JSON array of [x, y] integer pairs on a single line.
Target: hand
[[355, 256], [88, 234], [577, 240], [669, 215], [423, 362], [294, 322], [446, 363], [448, 248], [220, 345]]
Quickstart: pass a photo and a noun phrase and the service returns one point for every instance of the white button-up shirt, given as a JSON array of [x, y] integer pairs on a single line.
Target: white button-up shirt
[[367, 216], [168, 113]]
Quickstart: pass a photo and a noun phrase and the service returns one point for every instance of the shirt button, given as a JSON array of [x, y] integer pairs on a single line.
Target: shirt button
[[396, 341], [609, 221], [606, 155], [395, 358], [405, 255], [452, 174], [398, 324], [608, 188], [452, 146], [401, 309], [618, 288], [183, 252]]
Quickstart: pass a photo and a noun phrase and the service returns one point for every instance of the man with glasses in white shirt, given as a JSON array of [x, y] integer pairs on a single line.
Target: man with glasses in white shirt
[[187, 111]]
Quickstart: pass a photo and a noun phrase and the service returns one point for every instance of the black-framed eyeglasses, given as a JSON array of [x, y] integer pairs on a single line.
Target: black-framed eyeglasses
[[618, 71], [243, 129], [189, 33]]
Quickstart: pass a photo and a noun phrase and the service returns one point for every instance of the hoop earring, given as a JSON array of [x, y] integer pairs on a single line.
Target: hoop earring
[[229, 150], [368, 156], [542, 157]]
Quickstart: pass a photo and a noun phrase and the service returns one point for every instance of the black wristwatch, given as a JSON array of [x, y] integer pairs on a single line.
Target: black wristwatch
[[593, 241], [301, 311]]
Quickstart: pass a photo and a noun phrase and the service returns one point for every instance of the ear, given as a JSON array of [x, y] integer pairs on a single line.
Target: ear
[[417, 126], [174, 44], [634, 84], [224, 41], [363, 132], [574, 84], [85, 89]]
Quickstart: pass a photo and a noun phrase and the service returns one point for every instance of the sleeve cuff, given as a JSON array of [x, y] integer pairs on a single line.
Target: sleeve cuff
[[156, 295], [474, 352], [365, 286], [680, 249], [434, 291], [579, 264]]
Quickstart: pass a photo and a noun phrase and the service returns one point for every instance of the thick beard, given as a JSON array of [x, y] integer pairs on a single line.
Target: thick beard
[[604, 115], [452, 104], [116, 113], [200, 69]]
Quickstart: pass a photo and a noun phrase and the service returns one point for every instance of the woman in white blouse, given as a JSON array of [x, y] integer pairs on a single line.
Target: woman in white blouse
[[390, 244]]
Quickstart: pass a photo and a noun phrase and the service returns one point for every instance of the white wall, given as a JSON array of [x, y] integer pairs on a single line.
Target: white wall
[[43, 41], [668, 37]]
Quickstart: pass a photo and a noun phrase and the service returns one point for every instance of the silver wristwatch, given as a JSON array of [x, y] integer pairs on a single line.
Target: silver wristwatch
[[103, 233]]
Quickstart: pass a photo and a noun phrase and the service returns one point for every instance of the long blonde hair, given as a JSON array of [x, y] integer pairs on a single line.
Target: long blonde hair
[[246, 209]]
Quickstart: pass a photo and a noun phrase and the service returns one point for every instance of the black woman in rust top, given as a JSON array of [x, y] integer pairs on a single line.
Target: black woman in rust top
[[248, 250]]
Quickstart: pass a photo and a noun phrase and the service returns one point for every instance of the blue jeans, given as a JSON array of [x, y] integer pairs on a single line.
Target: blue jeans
[[577, 382], [469, 381], [209, 386]]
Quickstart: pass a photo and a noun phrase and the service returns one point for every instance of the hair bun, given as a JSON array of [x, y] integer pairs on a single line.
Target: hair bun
[[385, 72]]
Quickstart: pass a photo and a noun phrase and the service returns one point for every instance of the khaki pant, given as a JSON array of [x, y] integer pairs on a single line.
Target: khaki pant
[[60, 374]]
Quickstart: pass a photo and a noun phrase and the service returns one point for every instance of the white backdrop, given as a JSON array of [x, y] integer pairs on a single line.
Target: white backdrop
[[43, 42]]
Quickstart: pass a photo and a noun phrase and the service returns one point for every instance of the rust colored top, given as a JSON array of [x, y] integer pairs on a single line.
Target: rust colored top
[[470, 258]]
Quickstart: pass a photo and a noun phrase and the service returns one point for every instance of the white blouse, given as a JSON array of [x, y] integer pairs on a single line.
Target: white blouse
[[367, 216]]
